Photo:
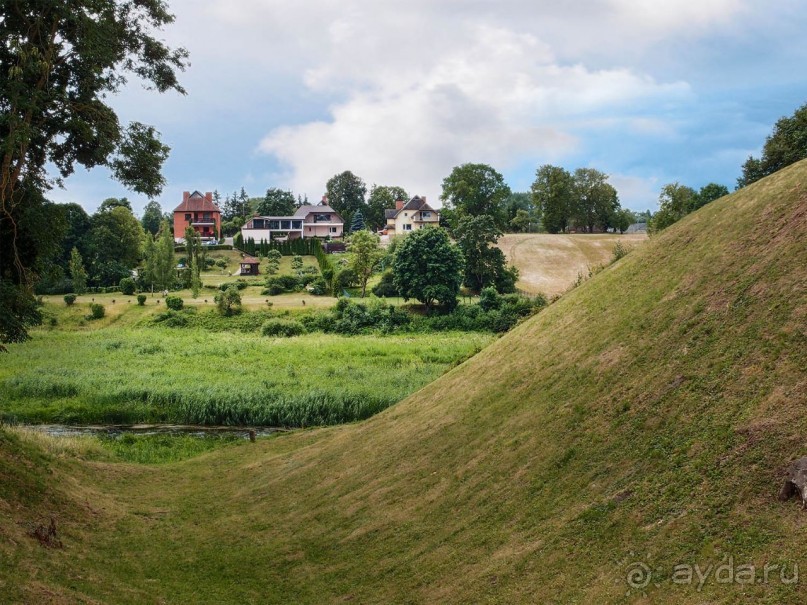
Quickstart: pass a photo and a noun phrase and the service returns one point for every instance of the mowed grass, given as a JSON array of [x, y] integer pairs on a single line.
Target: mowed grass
[[549, 263], [127, 375]]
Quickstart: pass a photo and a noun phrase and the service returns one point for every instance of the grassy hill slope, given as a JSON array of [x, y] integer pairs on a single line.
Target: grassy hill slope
[[645, 418]]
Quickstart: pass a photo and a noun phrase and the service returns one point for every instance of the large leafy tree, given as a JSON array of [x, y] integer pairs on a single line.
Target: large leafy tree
[[159, 265], [346, 193], [708, 194], [428, 267], [595, 200], [59, 63], [382, 197], [552, 196], [152, 217], [115, 241], [474, 190], [786, 145], [485, 264], [276, 202]]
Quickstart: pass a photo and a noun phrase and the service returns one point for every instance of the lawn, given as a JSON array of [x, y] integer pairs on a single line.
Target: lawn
[[123, 374]]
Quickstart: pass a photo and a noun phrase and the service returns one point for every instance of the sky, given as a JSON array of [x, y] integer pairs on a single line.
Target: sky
[[287, 94]]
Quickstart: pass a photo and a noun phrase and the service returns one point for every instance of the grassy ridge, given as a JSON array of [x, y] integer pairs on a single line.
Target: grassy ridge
[[122, 375], [646, 418]]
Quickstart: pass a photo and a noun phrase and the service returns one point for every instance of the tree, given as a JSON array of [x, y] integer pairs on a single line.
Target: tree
[[152, 217], [159, 263], [357, 223], [114, 244], [786, 145], [708, 194], [521, 211], [228, 302], [276, 202], [365, 256], [77, 272], [474, 190], [675, 202], [78, 226], [193, 248], [521, 222], [428, 268], [552, 195], [382, 198], [115, 202], [346, 193], [59, 64], [623, 218], [595, 200], [485, 264]]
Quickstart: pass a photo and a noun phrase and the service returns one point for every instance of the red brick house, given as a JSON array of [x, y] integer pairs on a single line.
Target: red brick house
[[199, 212]]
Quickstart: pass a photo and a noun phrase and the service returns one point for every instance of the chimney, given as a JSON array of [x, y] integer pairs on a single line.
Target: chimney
[[324, 201], [186, 196], [399, 204], [209, 196]]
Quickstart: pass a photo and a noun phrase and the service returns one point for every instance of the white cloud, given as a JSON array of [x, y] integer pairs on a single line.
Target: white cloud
[[495, 96]]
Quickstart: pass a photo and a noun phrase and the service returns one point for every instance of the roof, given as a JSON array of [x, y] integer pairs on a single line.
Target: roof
[[196, 202], [304, 211], [416, 204], [250, 260]]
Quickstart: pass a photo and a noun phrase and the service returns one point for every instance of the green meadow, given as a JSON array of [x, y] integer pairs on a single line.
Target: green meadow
[[123, 374]]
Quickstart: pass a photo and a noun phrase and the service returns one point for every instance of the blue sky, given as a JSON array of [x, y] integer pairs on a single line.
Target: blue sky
[[286, 94]]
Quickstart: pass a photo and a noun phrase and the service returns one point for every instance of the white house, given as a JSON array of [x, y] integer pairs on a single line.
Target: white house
[[308, 221], [410, 216]]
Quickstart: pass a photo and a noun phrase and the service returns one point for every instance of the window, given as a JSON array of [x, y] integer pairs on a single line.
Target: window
[[333, 229], [322, 218], [188, 217], [297, 224], [285, 225], [274, 224], [407, 227], [425, 214]]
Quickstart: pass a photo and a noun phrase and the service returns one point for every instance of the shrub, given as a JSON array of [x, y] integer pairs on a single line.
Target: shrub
[[489, 299], [319, 287], [239, 285], [97, 311], [127, 286], [141, 299], [228, 303], [174, 302], [386, 287], [620, 251], [172, 319], [282, 283], [282, 327], [69, 299]]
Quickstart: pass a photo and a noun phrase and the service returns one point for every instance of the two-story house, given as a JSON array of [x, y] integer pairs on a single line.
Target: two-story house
[[410, 216], [200, 212], [308, 221]]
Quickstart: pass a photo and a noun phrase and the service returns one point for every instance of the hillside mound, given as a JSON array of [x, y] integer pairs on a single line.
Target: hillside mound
[[642, 423]]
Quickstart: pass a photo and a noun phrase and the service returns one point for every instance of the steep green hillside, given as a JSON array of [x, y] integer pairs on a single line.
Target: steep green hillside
[[644, 419]]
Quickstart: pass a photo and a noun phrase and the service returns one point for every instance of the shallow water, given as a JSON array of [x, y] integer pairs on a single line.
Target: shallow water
[[67, 430]]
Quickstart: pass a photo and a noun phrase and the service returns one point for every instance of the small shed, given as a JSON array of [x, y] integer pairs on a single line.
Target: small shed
[[249, 265]]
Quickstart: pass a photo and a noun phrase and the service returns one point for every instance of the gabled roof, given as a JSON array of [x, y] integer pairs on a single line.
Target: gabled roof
[[250, 260], [416, 204], [196, 202]]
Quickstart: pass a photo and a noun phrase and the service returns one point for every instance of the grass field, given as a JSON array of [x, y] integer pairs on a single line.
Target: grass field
[[549, 263], [130, 375], [644, 419]]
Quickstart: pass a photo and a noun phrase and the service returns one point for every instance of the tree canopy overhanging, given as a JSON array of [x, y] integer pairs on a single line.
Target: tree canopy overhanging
[[59, 62]]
